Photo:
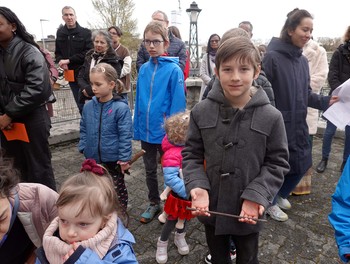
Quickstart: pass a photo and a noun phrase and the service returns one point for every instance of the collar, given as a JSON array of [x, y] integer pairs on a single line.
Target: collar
[[56, 249]]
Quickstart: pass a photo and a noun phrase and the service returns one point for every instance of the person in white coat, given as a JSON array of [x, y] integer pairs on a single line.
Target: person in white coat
[[206, 71]]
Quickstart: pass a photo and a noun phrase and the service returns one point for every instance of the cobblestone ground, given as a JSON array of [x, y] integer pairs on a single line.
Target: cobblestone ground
[[306, 237]]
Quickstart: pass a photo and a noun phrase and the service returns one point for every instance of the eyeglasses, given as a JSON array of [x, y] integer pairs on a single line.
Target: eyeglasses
[[214, 41], [155, 43]]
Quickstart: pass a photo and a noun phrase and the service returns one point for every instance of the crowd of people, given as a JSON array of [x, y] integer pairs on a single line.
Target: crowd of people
[[220, 156]]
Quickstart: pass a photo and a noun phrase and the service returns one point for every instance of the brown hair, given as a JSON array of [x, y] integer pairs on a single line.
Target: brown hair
[[94, 193], [293, 20], [175, 31], [9, 176], [234, 32], [241, 48], [157, 28], [110, 75], [176, 127]]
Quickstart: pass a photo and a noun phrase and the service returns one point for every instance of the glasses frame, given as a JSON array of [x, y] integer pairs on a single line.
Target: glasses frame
[[155, 42]]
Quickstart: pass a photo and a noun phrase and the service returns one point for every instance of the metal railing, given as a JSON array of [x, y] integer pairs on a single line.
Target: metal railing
[[65, 108]]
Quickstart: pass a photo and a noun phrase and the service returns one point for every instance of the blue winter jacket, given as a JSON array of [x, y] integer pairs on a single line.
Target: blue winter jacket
[[339, 218], [159, 94], [121, 252], [106, 130], [288, 71]]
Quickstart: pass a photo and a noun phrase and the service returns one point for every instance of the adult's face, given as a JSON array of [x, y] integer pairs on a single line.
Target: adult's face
[[160, 18], [214, 42], [69, 17], [6, 31], [247, 28], [302, 33], [100, 44], [5, 216], [115, 37]]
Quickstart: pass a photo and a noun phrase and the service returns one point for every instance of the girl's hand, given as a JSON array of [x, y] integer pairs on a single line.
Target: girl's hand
[[124, 166], [252, 210], [200, 201], [70, 252]]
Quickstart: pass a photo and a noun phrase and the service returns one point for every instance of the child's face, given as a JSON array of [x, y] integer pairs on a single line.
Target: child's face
[[157, 45], [236, 78], [101, 87], [74, 228]]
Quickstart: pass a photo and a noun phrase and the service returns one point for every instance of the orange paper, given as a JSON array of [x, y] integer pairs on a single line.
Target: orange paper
[[18, 132], [69, 75]]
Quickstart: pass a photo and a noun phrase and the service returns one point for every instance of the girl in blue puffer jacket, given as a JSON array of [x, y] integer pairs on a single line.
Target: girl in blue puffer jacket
[[106, 127]]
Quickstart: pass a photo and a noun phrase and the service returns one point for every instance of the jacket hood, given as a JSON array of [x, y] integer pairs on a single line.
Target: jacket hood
[[258, 96], [164, 59], [276, 44]]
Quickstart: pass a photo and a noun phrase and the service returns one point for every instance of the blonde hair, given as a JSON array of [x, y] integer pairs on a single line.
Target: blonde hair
[[157, 28], [94, 193], [110, 74], [176, 127]]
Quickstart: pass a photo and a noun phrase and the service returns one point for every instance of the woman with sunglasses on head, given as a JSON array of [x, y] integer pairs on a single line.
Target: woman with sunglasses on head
[[159, 94], [206, 71]]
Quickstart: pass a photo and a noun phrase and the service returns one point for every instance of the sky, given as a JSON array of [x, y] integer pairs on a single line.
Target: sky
[[267, 17]]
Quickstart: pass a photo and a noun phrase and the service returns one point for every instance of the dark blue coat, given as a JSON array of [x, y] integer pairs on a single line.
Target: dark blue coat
[[288, 71]]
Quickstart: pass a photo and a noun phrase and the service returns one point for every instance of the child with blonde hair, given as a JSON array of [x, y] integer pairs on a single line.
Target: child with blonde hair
[[88, 228], [106, 127], [175, 212]]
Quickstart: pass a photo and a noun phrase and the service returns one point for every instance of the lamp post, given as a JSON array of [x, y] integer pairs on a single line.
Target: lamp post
[[42, 31], [193, 12]]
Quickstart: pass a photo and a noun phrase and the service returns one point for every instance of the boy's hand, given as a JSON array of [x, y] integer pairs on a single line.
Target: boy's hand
[[252, 210], [200, 201]]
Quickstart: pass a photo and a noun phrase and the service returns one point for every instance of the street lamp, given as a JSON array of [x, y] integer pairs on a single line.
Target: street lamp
[[193, 13], [42, 31]]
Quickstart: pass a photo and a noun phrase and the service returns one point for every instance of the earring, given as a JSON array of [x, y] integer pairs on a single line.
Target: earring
[[14, 32]]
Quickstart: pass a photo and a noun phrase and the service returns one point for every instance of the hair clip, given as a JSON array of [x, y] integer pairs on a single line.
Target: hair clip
[[91, 165]]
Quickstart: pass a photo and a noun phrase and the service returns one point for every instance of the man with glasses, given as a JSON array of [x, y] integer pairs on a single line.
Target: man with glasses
[[176, 48]]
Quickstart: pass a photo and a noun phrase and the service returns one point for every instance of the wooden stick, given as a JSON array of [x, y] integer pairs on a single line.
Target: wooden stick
[[228, 215]]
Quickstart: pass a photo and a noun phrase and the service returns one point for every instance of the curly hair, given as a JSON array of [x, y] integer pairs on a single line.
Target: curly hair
[[9, 176], [176, 127]]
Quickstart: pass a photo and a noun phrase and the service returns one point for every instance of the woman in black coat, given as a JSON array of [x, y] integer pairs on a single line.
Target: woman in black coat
[[288, 71], [102, 52]]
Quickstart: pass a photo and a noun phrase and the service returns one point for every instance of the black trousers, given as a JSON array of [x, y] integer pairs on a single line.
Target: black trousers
[[219, 246], [33, 159], [151, 163]]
